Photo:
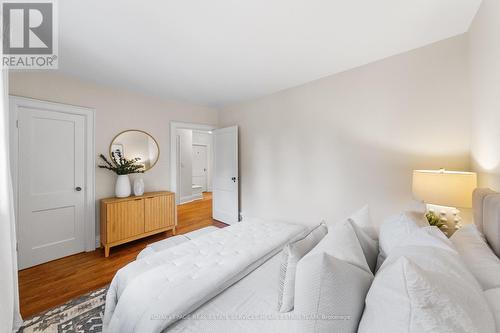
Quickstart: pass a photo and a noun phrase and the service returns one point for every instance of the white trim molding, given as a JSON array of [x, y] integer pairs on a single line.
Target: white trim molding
[[190, 198], [174, 126], [89, 115]]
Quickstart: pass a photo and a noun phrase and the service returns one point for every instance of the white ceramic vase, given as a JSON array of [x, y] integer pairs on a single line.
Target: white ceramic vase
[[122, 188], [138, 187]]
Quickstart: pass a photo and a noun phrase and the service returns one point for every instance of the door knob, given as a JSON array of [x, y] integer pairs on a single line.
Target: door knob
[[78, 188], [233, 179]]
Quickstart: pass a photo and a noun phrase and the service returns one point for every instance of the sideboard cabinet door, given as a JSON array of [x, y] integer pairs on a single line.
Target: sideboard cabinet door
[[125, 219], [159, 212]]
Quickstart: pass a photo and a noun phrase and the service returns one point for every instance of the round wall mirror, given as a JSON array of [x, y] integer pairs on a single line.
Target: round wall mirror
[[136, 144]]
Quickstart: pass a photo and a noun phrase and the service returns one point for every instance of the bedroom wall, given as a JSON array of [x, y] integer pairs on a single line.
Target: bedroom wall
[[116, 110], [324, 149], [484, 52]]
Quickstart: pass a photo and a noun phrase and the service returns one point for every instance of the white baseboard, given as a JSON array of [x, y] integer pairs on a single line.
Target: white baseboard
[[190, 198]]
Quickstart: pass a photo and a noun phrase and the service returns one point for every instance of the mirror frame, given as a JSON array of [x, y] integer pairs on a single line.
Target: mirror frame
[[136, 130]]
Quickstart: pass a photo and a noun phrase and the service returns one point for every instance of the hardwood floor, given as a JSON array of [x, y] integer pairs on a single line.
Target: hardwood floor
[[53, 283]]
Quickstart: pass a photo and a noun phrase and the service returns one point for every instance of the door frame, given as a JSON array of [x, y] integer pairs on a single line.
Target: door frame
[[89, 115], [174, 126]]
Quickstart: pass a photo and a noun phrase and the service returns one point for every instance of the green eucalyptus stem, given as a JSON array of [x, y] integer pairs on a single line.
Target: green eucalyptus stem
[[120, 165]]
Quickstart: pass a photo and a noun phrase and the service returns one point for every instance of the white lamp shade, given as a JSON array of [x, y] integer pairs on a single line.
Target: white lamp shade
[[444, 188]]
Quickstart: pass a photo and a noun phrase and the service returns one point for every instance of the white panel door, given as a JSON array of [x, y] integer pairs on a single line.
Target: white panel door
[[200, 166], [51, 185], [225, 199]]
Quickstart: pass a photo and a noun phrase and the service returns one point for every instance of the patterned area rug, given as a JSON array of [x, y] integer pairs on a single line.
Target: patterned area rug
[[83, 314]]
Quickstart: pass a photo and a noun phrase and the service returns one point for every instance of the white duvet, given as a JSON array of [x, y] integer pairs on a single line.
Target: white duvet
[[150, 294]]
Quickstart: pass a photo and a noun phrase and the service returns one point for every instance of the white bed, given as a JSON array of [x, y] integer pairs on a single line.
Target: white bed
[[249, 302]]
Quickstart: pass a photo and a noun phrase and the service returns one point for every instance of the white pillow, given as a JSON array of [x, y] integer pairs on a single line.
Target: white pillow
[[493, 299], [380, 260], [363, 220], [422, 237], [428, 236], [429, 249], [342, 243], [292, 253], [395, 231], [417, 206], [478, 256], [330, 293], [405, 297], [331, 283], [368, 245], [418, 217]]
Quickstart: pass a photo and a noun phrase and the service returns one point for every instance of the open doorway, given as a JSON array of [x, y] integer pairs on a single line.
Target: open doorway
[[204, 173], [194, 152]]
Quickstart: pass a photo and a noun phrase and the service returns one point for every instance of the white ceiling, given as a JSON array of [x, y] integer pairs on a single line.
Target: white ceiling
[[225, 51]]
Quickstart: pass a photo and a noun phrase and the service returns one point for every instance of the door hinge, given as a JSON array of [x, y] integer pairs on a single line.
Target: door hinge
[[17, 247], [17, 123]]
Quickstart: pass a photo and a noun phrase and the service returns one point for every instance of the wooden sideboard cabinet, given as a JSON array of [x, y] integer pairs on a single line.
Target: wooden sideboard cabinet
[[126, 219]]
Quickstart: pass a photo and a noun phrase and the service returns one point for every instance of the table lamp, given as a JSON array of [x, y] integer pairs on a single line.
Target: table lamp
[[448, 189]]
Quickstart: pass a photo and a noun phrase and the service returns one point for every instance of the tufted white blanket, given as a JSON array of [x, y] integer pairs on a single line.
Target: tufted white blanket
[[149, 294]]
